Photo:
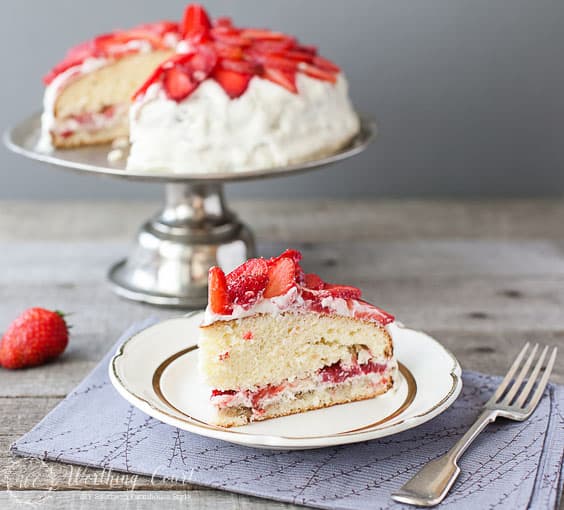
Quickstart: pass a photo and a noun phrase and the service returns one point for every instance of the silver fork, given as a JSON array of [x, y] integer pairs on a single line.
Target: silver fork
[[432, 483]]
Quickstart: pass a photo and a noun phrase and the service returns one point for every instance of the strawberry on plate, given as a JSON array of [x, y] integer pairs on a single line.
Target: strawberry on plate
[[34, 338]]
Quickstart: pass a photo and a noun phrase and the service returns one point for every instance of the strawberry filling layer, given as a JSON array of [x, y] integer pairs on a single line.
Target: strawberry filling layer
[[90, 121], [377, 372]]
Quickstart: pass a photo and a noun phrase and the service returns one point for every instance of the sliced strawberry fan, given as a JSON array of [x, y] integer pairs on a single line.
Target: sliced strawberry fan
[[244, 52], [269, 278]]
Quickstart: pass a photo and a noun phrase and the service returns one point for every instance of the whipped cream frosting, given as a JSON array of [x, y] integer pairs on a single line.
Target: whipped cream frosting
[[266, 127], [292, 302]]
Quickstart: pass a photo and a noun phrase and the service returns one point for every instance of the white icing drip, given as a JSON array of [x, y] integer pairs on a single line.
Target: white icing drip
[[266, 127]]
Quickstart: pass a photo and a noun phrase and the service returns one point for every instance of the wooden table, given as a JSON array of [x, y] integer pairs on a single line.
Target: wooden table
[[481, 276]]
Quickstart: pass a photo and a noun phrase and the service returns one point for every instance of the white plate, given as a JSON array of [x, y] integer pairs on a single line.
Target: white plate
[[156, 371]]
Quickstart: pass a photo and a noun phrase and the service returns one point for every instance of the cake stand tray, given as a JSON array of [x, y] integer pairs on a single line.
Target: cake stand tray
[[168, 265]]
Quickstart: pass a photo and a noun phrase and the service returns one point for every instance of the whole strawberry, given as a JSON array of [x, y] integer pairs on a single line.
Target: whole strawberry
[[35, 337]]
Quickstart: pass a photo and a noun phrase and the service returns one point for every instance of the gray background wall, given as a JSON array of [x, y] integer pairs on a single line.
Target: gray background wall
[[468, 94]]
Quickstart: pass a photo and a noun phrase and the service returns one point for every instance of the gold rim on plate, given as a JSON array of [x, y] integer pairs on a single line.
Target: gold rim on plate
[[265, 438], [156, 383]]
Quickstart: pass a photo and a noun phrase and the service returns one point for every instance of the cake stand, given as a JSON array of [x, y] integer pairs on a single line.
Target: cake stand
[[168, 265]]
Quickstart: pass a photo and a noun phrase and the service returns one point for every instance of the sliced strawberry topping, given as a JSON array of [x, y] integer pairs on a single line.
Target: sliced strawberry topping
[[239, 66], [247, 282], [232, 82], [343, 291], [274, 56], [308, 49], [283, 78], [325, 64], [223, 21], [273, 46], [281, 277], [298, 56], [229, 37], [276, 62], [224, 51], [314, 282], [295, 255], [373, 313], [218, 295], [183, 73], [263, 34], [317, 72], [178, 83], [196, 23]]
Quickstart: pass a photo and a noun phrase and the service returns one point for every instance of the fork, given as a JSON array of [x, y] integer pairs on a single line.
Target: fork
[[511, 400]]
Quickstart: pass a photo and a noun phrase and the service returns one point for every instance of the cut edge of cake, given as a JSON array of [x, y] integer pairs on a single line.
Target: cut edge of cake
[[276, 342]]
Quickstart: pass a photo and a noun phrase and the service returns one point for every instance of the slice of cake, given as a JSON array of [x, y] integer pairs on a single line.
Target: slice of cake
[[276, 341], [201, 95]]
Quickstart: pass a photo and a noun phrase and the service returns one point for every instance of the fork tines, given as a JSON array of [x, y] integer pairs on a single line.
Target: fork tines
[[514, 392]]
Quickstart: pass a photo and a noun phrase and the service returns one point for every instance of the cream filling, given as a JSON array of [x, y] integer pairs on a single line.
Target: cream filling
[[48, 121], [292, 388], [90, 122]]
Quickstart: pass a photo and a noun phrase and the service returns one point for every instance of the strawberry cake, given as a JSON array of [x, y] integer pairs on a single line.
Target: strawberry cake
[[200, 95], [275, 341]]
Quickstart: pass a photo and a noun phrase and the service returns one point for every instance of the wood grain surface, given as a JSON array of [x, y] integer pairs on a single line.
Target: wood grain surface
[[481, 276]]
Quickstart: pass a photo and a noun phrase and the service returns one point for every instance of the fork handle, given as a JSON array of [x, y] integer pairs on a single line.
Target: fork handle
[[432, 482]]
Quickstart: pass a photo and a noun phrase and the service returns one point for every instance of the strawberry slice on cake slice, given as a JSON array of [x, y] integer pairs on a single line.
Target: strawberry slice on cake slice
[[276, 341]]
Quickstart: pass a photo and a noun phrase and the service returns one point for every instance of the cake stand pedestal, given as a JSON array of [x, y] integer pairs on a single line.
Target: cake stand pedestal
[[195, 230]]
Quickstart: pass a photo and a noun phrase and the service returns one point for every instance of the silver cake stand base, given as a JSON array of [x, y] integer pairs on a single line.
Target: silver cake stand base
[[170, 259], [169, 263]]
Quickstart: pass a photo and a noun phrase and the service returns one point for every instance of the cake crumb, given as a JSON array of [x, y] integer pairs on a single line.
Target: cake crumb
[[115, 155]]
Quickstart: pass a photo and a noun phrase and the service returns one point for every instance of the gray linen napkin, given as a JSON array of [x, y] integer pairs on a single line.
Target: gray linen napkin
[[511, 465]]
